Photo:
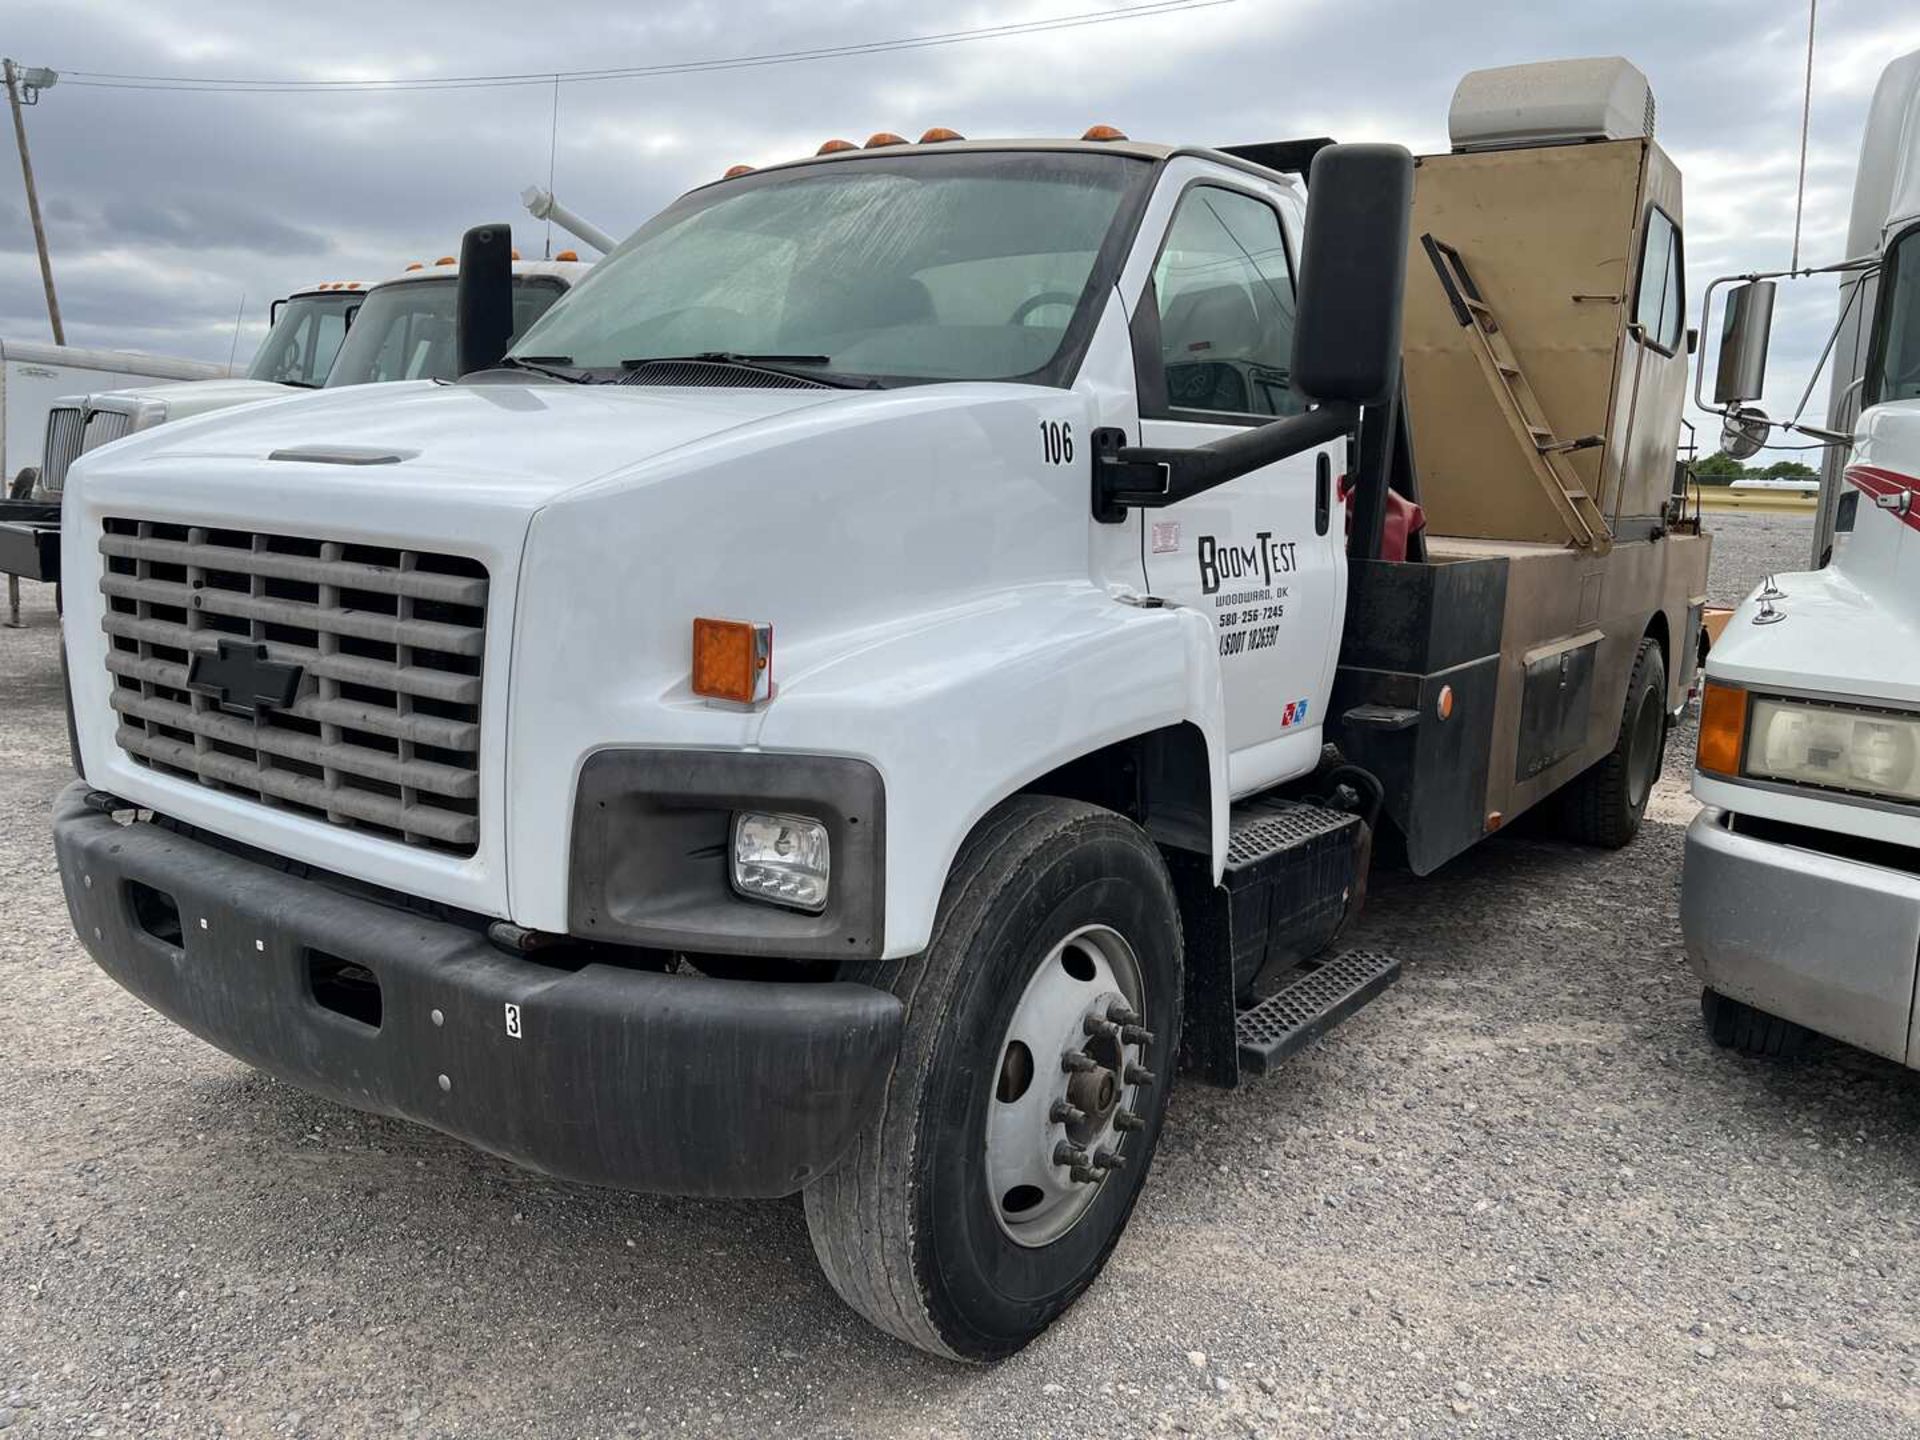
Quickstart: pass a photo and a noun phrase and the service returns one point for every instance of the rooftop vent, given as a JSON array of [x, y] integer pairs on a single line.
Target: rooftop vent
[[1554, 102]]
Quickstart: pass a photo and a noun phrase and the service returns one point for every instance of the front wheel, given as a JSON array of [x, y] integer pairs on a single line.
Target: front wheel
[[1041, 1025]]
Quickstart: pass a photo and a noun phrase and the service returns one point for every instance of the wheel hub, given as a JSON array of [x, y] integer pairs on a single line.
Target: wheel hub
[[1072, 1066]]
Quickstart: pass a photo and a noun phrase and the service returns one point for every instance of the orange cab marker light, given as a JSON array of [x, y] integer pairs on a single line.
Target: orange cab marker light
[[939, 133], [735, 171], [1103, 132], [513, 254], [732, 660], [834, 147], [572, 257], [1445, 703], [446, 260], [884, 137], [418, 265], [1723, 729]]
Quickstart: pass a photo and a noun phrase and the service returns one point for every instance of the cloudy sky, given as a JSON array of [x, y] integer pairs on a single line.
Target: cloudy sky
[[166, 209]]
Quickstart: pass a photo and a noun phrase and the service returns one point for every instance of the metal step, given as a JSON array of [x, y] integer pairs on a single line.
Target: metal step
[[1309, 1005]]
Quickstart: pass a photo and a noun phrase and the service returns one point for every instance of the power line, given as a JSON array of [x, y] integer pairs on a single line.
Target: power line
[[107, 80]]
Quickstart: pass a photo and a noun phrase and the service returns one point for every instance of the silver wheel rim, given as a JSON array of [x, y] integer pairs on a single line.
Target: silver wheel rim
[[1059, 1128]]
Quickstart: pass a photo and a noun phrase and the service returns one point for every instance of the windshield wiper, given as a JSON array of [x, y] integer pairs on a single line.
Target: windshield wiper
[[543, 365], [797, 367], [302, 384]]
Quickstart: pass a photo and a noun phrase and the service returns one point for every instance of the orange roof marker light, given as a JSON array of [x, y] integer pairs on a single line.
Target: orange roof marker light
[[418, 265], [513, 254], [882, 138], [939, 133], [733, 660], [834, 147], [570, 256], [735, 171], [1103, 132], [446, 260]]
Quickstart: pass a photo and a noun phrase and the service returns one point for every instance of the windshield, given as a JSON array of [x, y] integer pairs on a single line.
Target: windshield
[[405, 330], [299, 350], [1894, 371], [907, 267]]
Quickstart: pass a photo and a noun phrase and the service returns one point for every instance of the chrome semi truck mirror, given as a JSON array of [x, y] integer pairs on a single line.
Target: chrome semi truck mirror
[[1745, 431], [1742, 371]]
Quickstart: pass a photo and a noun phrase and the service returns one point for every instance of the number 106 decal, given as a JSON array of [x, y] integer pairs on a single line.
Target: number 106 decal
[[1056, 441]]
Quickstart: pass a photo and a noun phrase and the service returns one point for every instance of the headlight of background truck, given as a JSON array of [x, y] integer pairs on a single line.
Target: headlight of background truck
[[1838, 747]]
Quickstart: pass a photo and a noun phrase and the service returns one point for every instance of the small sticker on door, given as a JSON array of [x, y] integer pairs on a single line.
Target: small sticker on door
[[1166, 536], [513, 1021]]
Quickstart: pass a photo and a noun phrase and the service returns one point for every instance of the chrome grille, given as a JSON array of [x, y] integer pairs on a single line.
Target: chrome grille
[[384, 733], [105, 425], [64, 429]]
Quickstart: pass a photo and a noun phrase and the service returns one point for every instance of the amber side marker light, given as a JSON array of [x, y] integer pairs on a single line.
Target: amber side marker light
[[1723, 729], [733, 660]]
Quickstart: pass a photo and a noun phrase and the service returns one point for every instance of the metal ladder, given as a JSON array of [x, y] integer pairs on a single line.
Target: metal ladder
[[1544, 451]]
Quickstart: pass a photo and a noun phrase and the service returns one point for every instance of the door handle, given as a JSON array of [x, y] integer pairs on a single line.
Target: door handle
[[1322, 493]]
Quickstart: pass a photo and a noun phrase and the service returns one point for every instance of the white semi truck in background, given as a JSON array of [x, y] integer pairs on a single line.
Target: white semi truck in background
[[1800, 902], [437, 753], [32, 378]]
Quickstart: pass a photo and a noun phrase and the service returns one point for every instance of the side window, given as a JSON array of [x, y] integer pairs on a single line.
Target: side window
[[1660, 307], [1224, 290]]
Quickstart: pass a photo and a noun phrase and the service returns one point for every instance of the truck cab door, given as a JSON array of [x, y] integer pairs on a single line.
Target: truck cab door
[[1263, 556]]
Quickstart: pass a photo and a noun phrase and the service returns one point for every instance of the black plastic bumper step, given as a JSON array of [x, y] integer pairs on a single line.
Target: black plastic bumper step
[[1309, 1005]]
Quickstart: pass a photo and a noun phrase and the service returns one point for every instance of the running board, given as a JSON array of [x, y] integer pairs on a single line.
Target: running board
[[1310, 1004]]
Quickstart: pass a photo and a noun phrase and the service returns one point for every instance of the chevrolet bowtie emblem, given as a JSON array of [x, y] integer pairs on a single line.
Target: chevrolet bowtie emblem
[[242, 679]]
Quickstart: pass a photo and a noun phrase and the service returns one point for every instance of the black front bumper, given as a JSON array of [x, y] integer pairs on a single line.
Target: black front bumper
[[617, 1077]]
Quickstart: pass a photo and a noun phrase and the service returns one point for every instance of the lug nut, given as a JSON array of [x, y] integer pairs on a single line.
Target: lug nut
[[1136, 1035], [1094, 1025], [1078, 1062], [1082, 1174], [1064, 1112], [1068, 1153], [1137, 1076], [1120, 1014], [1106, 1160], [1125, 1120]]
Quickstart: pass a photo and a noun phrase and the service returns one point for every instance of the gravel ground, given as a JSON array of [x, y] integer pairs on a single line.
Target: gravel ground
[[1520, 1195]]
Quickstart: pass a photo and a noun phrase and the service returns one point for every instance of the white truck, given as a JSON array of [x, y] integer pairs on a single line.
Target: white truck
[[306, 348], [437, 753], [1800, 902], [32, 377]]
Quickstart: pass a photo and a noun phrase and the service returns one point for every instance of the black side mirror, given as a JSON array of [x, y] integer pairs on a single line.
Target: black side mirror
[[1353, 274], [1742, 372], [273, 312], [483, 305]]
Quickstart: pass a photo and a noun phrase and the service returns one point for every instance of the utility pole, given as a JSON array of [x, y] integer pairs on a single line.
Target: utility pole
[[33, 81]]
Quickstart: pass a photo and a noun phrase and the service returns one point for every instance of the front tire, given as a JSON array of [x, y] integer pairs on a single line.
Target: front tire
[[1736, 1025], [950, 1224]]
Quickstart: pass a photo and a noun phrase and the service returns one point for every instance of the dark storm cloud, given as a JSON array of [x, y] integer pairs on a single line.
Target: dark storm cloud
[[164, 209]]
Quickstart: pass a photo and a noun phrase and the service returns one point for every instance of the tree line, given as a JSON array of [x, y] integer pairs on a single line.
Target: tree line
[[1720, 468]]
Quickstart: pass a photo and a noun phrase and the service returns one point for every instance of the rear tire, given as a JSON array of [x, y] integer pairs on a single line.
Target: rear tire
[[1737, 1025], [1605, 804], [908, 1226]]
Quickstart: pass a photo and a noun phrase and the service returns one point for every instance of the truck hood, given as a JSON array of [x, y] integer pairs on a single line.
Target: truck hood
[[518, 444], [180, 400], [1833, 636]]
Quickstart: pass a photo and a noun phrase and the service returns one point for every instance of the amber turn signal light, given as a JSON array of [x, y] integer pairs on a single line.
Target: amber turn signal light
[[1723, 729], [733, 660]]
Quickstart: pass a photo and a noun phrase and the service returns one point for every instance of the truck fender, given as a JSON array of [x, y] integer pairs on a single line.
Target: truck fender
[[963, 708]]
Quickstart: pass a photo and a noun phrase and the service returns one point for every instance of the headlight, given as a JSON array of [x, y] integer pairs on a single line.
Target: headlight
[[1865, 751], [784, 859]]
